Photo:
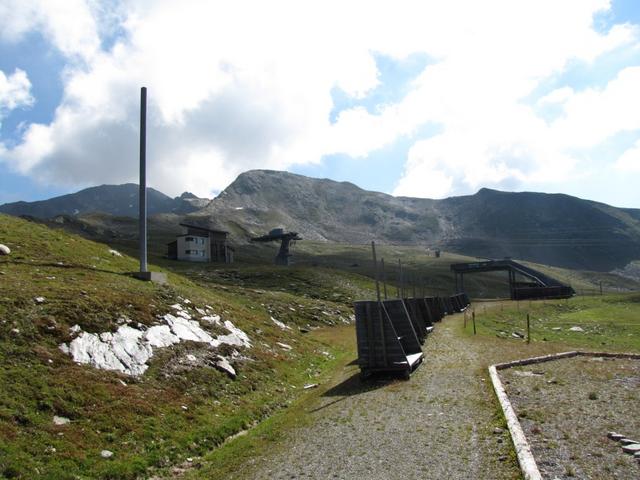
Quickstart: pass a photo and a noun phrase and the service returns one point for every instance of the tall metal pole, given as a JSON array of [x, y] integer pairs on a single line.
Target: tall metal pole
[[384, 278], [142, 214], [375, 267]]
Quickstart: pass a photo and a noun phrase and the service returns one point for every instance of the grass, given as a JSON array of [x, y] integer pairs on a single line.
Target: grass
[[156, 421], [608, 322], [269, 435], [172, 413]]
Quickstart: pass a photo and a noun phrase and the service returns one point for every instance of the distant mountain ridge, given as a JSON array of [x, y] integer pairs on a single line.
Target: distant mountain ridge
[[118, 200], [553, 229]]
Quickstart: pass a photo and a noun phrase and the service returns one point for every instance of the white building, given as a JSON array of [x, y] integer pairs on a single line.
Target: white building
[[199, 244]]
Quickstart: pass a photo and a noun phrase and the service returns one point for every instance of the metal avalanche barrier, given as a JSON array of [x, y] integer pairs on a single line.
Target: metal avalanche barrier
[[390, 332], [381, 348], [399, 310]]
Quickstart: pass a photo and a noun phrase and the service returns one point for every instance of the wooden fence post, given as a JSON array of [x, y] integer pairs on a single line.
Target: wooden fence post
[[473, 315]]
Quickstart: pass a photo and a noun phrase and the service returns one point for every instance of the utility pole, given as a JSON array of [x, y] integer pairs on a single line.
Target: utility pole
[[142, 213], [144, 273]]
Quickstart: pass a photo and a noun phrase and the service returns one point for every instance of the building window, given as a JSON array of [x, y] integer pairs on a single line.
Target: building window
[[189, 239]]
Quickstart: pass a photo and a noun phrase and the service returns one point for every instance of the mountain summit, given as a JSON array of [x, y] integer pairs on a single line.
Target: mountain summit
[[553, 229], [118, 200]]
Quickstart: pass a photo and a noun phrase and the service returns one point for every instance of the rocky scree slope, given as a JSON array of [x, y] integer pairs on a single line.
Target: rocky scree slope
[[553, 229]]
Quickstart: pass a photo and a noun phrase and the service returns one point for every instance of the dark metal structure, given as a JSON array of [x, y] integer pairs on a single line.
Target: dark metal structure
[[380, 346], [142, 212], [435, 307], [538, 285], [285, 238], [460, 302], [144, 273], [405, 320]]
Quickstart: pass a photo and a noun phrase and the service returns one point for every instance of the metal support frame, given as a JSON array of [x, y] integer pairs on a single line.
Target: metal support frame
[[142, 212]]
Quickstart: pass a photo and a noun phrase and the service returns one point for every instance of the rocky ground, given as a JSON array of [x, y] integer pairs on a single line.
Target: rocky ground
[[566, 408], [442, 423]]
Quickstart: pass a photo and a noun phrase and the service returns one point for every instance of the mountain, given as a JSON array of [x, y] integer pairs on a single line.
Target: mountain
[[119, 200], [554, 229], [321, 209], [547, 228]]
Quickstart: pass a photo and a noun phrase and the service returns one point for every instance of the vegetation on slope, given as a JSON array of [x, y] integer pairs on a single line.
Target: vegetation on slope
[[178, 409], [602, 323]]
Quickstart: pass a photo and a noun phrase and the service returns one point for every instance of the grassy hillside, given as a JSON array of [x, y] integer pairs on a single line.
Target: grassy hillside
[[601, 323], [179, 408], [433, 275]]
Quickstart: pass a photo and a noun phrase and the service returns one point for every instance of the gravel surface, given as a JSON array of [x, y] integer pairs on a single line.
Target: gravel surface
[[566, 408], [438, 425]]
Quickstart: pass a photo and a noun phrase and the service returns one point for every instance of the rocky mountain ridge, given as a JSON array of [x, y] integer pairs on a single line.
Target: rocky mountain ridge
[[118, 200], [554, 229]]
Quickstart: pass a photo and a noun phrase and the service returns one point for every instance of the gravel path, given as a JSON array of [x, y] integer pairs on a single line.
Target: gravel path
[[437, 425]]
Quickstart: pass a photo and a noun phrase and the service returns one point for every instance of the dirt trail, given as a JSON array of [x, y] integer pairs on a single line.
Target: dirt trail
[[438, 425]]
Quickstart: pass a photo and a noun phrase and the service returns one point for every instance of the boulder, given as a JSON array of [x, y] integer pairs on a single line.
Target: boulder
[[224, 365], [632, 449], [60, 420], [4, 250]]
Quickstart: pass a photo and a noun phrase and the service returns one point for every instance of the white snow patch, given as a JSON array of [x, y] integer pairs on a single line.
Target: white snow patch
[[284, 346], [128, 349], [115, 253]]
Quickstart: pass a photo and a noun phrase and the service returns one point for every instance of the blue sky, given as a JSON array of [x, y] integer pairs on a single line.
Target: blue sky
[[416, 101]]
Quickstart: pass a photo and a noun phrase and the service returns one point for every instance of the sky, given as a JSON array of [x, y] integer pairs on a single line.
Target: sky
[[415, 98]]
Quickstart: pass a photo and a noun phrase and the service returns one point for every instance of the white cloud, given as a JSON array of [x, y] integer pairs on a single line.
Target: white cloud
[[246, 84], [69, 24], [15, 91], [629, 161]]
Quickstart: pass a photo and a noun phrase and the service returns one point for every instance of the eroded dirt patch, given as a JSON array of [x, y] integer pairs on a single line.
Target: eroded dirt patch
[[567, 406]]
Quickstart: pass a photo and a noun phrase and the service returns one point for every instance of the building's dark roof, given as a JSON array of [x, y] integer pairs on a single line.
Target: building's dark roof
[[205, 229]]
